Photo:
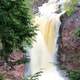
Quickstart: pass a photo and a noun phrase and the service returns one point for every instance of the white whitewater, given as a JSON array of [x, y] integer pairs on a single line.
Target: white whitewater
[[44, 51]]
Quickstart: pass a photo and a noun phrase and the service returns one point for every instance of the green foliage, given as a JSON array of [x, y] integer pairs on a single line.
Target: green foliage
[[70, 7], [34, 77], [16, 29], [74, 75], [77, 32], [1, 77]]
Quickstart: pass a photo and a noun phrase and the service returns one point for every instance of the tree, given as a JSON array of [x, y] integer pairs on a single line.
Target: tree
[[16, 29]]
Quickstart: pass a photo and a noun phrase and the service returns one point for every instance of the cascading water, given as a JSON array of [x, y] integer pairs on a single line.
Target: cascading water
[[44, 51]]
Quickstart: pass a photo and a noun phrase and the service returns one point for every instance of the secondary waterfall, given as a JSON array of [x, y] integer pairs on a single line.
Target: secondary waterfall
[[44, 51]]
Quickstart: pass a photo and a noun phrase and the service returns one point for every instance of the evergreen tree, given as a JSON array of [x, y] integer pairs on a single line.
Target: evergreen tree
[[16, 29]]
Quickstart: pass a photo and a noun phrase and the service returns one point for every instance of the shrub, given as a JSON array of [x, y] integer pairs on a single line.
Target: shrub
[[16, 29], [74, 75], [77, 32], [1, 77], [70, 7]]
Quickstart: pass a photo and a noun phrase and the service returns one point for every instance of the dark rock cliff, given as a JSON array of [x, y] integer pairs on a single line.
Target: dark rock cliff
[[69, 45]]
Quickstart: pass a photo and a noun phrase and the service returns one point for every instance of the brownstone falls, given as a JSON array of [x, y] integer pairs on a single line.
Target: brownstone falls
[[44, 52]]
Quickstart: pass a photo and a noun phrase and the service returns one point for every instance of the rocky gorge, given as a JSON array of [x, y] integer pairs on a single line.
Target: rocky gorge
[[69, 44], [69, 49]]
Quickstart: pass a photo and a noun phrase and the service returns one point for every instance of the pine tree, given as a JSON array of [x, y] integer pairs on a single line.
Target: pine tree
[[16, 29]]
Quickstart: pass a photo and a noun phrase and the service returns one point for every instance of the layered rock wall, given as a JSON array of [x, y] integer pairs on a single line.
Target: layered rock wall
[[69, 49]]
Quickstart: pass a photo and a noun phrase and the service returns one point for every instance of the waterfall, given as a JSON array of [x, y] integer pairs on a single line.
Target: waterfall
[[44, 52]]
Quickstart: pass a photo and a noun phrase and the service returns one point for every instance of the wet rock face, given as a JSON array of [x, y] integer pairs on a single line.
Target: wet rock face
[[69, 49], [37, 3]]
